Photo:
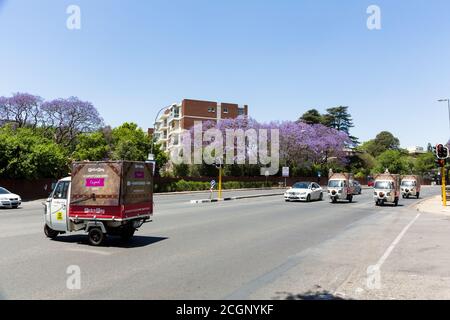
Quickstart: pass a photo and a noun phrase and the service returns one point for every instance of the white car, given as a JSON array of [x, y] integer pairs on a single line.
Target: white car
[[9, 199], [304, 191]]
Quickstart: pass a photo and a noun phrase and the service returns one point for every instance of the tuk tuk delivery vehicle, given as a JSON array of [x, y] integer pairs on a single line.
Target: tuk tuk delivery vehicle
[[386, 189], [340, 187], [101, 198], [410, 186]]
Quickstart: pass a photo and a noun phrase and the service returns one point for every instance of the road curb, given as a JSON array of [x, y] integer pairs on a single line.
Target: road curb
[[236, 198], [215, 190]]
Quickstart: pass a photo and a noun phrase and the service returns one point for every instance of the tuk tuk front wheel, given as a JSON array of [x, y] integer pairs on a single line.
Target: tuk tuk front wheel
[[50, 233], [96, 236]]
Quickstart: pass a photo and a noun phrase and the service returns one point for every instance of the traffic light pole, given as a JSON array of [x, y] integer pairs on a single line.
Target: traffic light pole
[[444, 189], [220, 183]]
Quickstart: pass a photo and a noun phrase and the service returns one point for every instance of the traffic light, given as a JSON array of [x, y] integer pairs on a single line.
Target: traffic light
[[442, 152], [441, 163]]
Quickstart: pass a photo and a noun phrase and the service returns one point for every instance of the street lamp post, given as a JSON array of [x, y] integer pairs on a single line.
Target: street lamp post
[[153, 135], [448, 103]]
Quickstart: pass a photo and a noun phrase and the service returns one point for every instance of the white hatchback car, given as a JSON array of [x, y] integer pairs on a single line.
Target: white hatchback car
[[304, 191], [9, 199]]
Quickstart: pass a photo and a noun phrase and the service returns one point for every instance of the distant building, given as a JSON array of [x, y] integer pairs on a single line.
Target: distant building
[[416, 150], [181, 116]]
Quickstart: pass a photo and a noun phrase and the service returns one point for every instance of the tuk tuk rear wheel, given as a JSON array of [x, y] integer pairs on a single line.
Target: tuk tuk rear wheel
[[127, 233], [96, 236], [50, 233]]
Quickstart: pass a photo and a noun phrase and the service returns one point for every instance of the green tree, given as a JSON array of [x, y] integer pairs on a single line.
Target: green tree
[[338, 118], [311, 117], [91, 146], [362, 163], [424, 163], [25, 153], [130, 143], [383, 141], [396, 161]]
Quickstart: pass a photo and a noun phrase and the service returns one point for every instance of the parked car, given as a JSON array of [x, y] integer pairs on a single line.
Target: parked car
[[9, 199], [304, 191], [357, 187]]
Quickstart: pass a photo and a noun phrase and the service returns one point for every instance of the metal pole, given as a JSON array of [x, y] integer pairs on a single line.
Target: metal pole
[[154, 129], [220, 182], [444, 189], [448, 102]]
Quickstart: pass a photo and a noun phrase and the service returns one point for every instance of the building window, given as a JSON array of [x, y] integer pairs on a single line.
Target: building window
[[240, 111], [225, 110], [211, 109]]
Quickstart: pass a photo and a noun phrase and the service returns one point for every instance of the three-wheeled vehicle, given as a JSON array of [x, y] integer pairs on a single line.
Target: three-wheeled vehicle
[[340, 187], [386, 188], [410, 186], [101, 198]]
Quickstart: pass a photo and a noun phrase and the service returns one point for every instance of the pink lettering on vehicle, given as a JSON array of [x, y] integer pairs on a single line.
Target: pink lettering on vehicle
[[139, 175], [95, 182]]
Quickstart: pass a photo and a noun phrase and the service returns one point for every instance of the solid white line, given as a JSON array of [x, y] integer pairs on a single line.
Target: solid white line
[[84, 250], [394, 243]]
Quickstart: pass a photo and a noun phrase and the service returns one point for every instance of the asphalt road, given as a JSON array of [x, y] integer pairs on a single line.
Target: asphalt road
[[240, 249]]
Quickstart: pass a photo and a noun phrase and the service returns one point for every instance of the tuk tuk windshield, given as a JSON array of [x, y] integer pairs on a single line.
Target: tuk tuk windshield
[[408, 183], [335, 183], [384, 185]]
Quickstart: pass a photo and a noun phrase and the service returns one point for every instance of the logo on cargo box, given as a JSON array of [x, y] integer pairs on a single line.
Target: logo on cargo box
[[139, 175], [95, 182]]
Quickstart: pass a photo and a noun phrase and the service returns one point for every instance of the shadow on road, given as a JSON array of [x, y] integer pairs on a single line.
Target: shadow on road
[[311, 295], [112, 241]]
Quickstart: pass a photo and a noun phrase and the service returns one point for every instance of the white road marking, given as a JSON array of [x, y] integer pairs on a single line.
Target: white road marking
[[85, 250], [389, 250]]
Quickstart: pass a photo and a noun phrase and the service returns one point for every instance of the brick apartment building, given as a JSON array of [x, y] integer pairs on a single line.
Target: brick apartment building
[[181, 116]]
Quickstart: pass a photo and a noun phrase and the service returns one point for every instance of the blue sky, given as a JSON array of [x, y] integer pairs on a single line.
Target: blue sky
[[280, 57]]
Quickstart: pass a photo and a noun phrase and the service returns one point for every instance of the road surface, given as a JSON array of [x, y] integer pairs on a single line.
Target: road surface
[[243, 249]]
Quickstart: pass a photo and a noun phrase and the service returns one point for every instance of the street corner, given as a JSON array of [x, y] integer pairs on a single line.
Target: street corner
[[433, 205]]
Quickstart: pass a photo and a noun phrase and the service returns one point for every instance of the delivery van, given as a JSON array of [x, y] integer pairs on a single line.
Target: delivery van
[[101, 198]]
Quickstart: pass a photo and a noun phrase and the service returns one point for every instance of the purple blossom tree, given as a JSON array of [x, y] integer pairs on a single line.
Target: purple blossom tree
[[70, 117], [301, 145], [22, 109]]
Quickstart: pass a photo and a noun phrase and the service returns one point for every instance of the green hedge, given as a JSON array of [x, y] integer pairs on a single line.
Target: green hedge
[[184, 185]]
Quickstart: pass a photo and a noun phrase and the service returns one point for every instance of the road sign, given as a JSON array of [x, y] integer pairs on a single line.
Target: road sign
[[285, 172], [213, 184], [319, 174]]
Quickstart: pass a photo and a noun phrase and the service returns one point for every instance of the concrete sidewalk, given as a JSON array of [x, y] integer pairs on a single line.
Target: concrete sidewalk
[[398, 254], [434, 205]]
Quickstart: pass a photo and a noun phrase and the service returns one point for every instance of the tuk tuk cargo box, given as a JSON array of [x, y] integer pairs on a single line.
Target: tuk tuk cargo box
[[111, 190]]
